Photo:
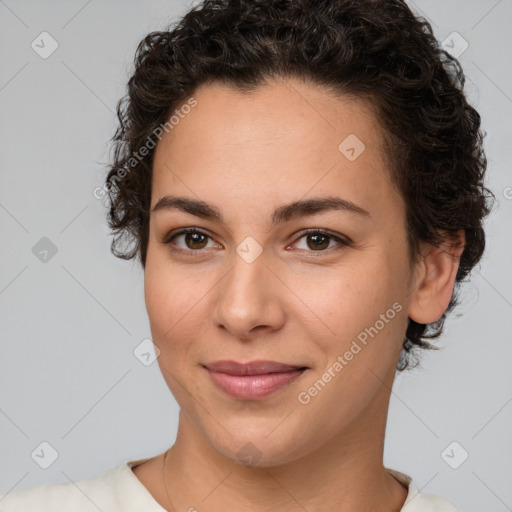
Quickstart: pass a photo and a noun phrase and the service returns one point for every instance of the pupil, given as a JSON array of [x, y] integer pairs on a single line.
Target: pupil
[[194, 237], [316, 237]]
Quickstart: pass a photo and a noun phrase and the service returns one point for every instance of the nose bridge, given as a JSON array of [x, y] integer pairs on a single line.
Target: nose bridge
[[247, 296], [243, 289]]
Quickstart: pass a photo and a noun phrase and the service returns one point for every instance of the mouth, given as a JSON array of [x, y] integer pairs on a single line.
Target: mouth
[[253, 380]]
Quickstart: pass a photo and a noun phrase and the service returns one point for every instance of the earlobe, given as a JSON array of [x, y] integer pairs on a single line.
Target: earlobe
[[435, 280]]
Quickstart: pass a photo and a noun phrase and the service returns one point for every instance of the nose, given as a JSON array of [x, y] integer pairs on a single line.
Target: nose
[[248, 301]]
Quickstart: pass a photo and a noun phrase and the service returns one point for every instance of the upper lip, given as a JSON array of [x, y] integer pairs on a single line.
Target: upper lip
[[252, 367]]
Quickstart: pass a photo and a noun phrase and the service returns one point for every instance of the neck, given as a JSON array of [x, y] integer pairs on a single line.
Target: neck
[[343, 473]]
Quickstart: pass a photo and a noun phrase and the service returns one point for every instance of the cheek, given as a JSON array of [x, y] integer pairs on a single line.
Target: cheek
[[343, 300], [177, 306], [173, 303], [359, 313], [162, 304], [169, 291]]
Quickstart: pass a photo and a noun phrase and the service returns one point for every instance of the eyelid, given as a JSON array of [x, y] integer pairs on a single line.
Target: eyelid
[[169, 237], [182, 231], [342, 239]]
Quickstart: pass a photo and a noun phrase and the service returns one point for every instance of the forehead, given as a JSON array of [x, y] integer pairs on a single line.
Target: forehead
[[282, 139], [282, 110]]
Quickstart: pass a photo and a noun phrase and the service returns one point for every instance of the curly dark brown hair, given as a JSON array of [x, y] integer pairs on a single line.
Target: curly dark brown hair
[[376, 49]]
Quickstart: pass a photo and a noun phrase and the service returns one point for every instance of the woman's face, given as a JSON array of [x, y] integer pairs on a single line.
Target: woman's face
[[251, 284]]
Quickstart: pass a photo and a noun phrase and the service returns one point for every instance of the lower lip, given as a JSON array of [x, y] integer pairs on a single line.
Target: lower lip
[[253, 387]]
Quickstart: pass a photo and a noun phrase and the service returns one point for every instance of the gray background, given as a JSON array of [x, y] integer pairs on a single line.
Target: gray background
[[68, 373]]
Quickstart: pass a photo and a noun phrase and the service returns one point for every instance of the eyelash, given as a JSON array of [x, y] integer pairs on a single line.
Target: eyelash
[[196, 252]]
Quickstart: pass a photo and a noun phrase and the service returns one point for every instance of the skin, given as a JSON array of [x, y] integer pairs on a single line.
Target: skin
[[247, 154]]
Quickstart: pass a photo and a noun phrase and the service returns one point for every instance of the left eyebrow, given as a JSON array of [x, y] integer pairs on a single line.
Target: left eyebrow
[[313, 206], [282, 213]]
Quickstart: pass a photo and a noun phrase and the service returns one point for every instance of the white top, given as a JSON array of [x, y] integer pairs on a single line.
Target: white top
[[119, 490]]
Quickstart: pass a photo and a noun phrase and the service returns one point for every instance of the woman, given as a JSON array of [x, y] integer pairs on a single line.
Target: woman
[[302, 182]]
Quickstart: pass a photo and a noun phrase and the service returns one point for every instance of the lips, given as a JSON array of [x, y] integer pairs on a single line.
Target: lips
[[252, 368], [254, 380]]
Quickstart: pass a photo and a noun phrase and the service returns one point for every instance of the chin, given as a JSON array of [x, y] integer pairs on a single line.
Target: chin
[[258, 448]]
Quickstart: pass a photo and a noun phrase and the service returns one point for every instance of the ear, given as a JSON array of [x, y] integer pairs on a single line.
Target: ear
[[435, 279]]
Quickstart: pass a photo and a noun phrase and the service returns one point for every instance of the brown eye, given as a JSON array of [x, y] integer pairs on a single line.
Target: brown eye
[[193, 240], [318, 240]]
